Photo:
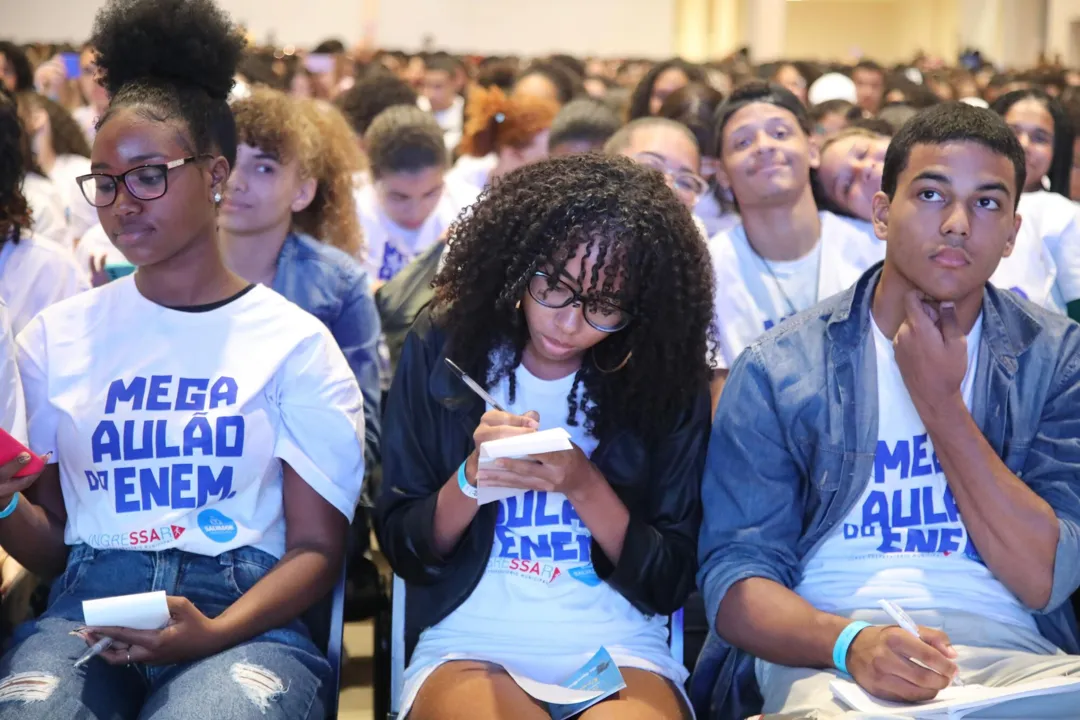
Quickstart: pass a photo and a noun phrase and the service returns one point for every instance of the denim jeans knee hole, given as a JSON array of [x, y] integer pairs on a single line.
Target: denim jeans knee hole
[[27, 687], [259, 684]]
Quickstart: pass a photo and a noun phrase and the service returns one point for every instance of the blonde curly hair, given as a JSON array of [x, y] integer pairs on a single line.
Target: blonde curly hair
[[319, 138]]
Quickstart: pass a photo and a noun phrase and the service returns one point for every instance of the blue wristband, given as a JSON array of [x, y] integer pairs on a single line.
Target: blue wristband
[[843, 643], [11, 506], [463, 482]]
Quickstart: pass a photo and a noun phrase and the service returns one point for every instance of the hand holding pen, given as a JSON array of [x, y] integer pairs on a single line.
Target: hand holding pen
[[895, 664]]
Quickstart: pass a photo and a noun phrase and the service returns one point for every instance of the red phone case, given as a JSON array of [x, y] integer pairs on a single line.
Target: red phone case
[[10, 448]]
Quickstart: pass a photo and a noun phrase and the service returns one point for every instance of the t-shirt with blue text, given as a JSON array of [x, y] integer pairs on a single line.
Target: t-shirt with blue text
[[905, 540], [540, 595], [171, 427]]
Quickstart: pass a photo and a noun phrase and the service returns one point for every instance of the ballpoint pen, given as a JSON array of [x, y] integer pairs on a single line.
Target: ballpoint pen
[[96, 649], [908, 625], [474, 386]]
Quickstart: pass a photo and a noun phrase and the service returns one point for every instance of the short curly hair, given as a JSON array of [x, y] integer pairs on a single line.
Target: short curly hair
[[404, 138], [542, 215], [173, 59], [320, 140]]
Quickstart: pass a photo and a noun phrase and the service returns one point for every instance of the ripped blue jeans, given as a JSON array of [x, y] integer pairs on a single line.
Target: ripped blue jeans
[[277, 675]]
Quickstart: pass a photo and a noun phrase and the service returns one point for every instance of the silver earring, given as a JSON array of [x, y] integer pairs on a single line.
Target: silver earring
[[217, 197]]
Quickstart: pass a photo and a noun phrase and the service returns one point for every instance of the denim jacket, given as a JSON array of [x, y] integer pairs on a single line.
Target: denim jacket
[[792, 450], [334, 288]]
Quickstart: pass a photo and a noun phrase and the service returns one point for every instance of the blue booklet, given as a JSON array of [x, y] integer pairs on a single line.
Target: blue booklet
[[600, 674]]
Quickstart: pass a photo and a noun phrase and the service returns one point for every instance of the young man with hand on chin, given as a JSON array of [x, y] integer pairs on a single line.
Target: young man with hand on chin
[[911, 439]]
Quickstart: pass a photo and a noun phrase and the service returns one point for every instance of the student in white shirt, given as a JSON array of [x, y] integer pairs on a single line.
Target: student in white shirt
[[1051, 222], [786, 255], [63, 154], [864, 454], [410, 201], [46, 206], [206, 433], [585, 306], [35, 272], [440, 96], [502, 134]]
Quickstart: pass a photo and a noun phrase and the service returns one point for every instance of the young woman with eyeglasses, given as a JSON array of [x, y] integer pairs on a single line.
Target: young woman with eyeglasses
[[206, 434], [578, 291]]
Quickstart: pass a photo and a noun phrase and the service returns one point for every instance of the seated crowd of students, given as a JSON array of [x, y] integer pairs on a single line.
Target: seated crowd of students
[[810, 330]]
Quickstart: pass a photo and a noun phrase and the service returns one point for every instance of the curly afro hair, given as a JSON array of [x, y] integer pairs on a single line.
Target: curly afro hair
[[173, 59], [14, 210], [656, 266]]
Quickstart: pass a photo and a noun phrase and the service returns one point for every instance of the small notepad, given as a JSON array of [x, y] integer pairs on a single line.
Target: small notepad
[[143, 611], [518, 447], [953, 702]]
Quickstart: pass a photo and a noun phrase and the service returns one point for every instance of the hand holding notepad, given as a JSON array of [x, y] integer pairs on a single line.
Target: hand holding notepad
[[518, 447]]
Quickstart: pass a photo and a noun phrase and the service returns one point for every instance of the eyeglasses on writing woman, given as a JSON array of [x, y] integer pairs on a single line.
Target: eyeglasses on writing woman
[[602, 314], [145, 182]]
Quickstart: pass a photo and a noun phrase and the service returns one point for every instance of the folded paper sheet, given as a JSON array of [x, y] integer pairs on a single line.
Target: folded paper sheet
[[144, 611], [952, 702], [518, 447]]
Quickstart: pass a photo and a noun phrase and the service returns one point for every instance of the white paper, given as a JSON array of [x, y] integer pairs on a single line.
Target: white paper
[[551, 693], [952, 702], [518, 447], [143, 611]]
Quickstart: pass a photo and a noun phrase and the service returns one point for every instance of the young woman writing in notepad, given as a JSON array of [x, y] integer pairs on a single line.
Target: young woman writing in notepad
[[578, 292]]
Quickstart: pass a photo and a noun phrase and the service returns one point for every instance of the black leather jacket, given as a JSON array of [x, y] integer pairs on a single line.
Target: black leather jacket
[[427, 433]]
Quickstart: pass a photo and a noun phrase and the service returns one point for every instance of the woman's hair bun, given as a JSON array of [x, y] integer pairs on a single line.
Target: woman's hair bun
[[180, 42]]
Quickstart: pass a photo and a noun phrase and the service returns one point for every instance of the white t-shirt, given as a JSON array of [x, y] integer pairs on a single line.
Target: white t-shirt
[[47, 210], [712, 215], [451, 120], [540, 608], [750, 299], [87, 118], [80, 215], [905, 540], [12, 406], [1045, 264], [95, 243], [171, 427], [35, 273], [390, 247], [473, 171]]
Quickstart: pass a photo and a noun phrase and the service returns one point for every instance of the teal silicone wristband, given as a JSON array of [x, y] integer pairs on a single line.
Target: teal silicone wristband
[[11, 506], [463, 482], [843, 643]]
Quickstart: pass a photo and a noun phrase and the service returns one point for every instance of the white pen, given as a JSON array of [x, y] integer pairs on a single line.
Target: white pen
[[96, 649], [474, 386], [908, 625]]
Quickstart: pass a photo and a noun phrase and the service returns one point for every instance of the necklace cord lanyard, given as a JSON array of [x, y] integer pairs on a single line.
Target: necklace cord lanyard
[[776, 280]]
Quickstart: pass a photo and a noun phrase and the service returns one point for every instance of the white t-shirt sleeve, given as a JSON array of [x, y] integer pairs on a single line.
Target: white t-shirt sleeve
[[12, 404], [322, 421], [1063, 242], [42, 417]]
